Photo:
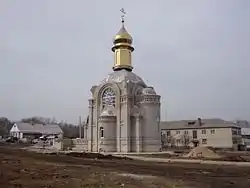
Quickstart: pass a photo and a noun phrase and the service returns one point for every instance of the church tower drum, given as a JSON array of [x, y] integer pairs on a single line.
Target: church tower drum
[[122, 49]]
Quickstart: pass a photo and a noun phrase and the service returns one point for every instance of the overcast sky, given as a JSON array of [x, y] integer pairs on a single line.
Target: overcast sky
[[195, 53]]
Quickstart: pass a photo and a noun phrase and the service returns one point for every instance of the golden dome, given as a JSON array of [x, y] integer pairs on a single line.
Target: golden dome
[[123, 34]]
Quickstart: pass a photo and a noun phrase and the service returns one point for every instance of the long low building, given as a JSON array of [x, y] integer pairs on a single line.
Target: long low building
[[24, 130], [216, 133]]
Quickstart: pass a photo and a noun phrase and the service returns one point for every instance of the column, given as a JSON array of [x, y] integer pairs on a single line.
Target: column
[[90, 126], [85, 131], [119, 124], [125, 123], [138, 134]]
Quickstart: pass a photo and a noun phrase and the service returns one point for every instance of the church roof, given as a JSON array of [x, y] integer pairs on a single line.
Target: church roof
[[123, 34], [123, 75]]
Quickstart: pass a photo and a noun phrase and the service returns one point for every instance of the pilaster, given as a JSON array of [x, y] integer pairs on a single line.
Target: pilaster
[[138, 134], [125, 123]]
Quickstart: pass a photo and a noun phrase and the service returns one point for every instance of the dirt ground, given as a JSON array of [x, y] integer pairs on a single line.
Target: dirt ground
[[23, 169]]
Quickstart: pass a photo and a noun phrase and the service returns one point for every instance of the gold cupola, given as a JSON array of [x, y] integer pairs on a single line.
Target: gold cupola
[[122, 48]]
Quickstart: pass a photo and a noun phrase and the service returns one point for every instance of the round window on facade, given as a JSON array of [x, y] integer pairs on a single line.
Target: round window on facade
[[108, 97]]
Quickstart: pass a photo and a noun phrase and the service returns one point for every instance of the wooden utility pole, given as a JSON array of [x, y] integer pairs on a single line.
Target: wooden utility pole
[[80, 127]]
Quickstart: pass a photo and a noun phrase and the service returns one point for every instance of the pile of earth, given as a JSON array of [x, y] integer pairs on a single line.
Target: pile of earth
[[202, 152], [233, 158], [96, 156]]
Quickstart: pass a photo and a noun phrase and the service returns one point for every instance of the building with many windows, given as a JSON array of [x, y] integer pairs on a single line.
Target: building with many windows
[[215, 133]]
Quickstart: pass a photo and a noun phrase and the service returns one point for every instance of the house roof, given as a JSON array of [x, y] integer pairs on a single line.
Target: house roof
[[52, 129], [194, 124], [39, 128], [243, 123], [245, 131], [24, 127]]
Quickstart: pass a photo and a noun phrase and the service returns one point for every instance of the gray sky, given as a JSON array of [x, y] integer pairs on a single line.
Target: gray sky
[[195, 53]]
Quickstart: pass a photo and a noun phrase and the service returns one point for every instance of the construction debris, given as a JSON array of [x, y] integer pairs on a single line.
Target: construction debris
[[202, 152]]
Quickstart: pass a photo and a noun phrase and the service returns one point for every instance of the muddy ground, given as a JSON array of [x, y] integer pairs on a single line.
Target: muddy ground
[[23, 169]]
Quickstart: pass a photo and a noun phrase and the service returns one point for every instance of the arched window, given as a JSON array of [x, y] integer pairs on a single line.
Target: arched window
[[138, 95], [101, 132], [108, 97], [138, 91]]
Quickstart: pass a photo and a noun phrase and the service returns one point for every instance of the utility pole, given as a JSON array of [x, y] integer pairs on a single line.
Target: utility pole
[[80, 127]]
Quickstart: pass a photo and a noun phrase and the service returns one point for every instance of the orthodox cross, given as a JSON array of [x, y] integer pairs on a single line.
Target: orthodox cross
[[123, 14]]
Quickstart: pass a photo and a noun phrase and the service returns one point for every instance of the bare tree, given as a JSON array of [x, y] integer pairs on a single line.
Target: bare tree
[[5, 126], [170, 141], [185, 139], [163, 139]]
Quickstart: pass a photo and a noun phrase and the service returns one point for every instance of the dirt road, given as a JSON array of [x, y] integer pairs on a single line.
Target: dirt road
[[22, 169]]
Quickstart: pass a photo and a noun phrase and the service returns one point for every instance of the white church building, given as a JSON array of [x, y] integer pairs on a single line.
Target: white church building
[[124, 112]]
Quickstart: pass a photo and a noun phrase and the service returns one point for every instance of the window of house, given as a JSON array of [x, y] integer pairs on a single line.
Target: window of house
[[177, 132], [235, 141], [204, 141], [234, 131], [101, 132], [191, 122], [168, 133], [178, 141], [203, 131], [185, 132], [194, 134], [239, 131], [212, 131]]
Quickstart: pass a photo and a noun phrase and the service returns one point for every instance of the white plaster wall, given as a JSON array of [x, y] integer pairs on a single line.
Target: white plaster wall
[[14, 128], [125, 127], [80, 144], [133, 135], [108, 142], [14, 131], [221, 139], [96, 114], [57, 145], [151, 134]]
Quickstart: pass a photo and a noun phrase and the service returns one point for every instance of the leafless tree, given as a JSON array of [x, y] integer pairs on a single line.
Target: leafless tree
[[185, 139], [163, 139], [5, 126], [170, 141]]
